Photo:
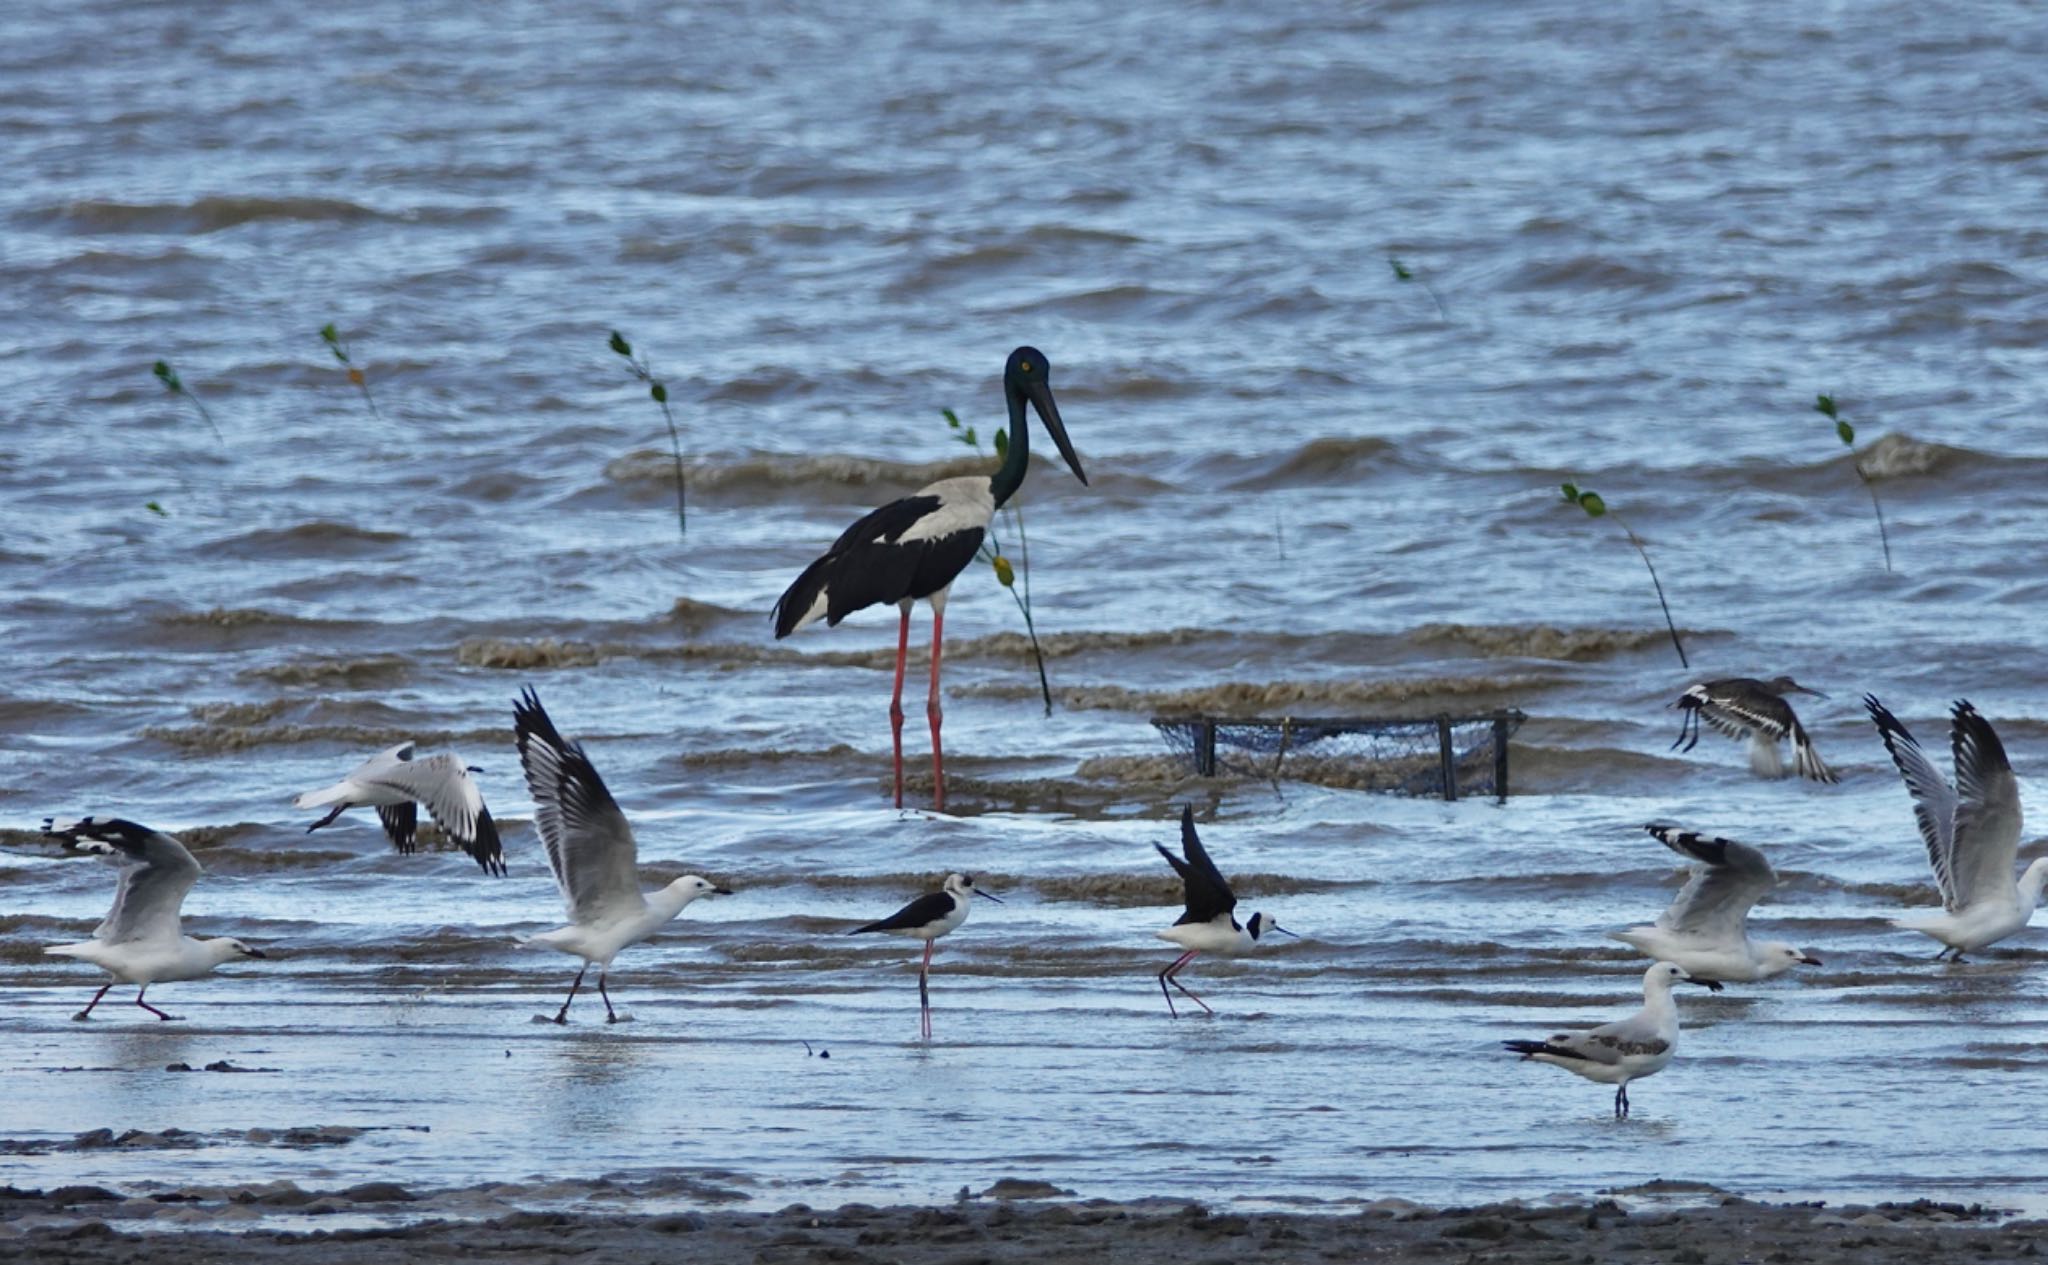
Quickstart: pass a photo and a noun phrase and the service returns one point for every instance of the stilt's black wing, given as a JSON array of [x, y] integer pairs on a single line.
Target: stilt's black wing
[[926, 909], [870, 563], [1207, 894]]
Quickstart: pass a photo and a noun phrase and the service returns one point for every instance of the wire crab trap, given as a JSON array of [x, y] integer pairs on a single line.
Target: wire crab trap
[[1449, 756]]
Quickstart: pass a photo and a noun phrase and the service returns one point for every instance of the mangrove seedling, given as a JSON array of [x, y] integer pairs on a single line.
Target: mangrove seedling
[[991, 550], [1590, 501], [176, 386], [1825, 406], [658, 391], [1403, 273], [339, 346]]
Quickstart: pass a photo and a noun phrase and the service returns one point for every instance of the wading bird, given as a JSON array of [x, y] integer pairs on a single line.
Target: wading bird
[[1705, 929], [917, 546], [1628, 1049], [1745, 708], [140, 941], [927, 918], [1206, 925], [393, 782], [1971, 829], [590, 848]]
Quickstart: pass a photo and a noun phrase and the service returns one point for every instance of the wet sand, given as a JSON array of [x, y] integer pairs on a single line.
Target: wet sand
[[89, 1225]]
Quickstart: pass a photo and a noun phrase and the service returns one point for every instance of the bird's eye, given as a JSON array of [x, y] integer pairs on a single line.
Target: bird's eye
[[1024, 366]]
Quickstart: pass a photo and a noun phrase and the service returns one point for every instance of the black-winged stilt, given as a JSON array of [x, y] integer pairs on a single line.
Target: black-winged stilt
[[1742, 707], [393, 782], [1706, 928], [141, 941], [590, 848], [917, 546], [927, 918], [1971, 829], [1206, 926], [1627, 1049]]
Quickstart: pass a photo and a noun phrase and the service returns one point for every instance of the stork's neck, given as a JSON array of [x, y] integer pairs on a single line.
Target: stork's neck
[[1010, 475]]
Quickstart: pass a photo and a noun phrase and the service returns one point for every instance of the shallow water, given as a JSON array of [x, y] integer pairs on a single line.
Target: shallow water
[[1655, 235]]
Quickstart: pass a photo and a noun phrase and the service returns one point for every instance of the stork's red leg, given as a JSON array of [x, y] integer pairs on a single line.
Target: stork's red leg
[[896, 699], [936, 714]]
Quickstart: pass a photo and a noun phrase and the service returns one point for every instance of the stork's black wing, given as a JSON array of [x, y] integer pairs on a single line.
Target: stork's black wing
[[1207, 894], [870, 563]]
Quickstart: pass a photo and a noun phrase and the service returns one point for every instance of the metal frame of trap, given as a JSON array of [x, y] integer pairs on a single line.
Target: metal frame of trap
[[1296, 732]]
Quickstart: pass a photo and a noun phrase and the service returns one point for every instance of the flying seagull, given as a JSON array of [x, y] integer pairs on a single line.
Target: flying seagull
[[591, 851], [917, 546], [1745, 708], [1971, 829], [393, 782], [1628, 1049], [1206, 925], [1705, 929], [927, 918], [140, 941]]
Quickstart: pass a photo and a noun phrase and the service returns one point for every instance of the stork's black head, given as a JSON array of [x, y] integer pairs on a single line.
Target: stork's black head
[[1028, 376]]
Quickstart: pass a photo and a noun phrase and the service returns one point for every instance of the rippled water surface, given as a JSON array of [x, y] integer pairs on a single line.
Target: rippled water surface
[[1640, 239]]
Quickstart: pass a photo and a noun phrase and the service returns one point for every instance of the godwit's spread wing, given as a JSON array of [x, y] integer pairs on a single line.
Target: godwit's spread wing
[[1716, 901], [1934, 801], [1987, 816], [588, 842], [156, 872]]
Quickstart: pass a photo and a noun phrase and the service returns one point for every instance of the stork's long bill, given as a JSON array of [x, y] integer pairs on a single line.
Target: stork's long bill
[[1027, 376]]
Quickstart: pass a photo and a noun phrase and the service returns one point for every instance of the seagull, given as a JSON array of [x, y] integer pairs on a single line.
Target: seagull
[[917, 546], [140, 942], [1205, 926], [393, 782], [1628, 1049], [1744, 708], [590, 849], [927, 918], [1704, 930], [1972, 832]]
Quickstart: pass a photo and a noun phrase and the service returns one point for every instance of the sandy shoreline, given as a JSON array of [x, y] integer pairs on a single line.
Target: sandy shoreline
[[89, 1225]]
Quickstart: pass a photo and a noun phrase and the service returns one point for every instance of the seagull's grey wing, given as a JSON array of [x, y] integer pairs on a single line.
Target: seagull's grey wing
[[1934, 801], [1716, 901], [443, 784], [588, 841], [1987, 819], [156, 872], [1611, 1042]]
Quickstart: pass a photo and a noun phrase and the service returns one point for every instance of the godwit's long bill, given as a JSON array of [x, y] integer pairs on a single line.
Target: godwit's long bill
[[1743, 707], [1206, 925], [141, 940], [1971, 829], [916, 547], [927, 918], [591, 850], [1706, 928]]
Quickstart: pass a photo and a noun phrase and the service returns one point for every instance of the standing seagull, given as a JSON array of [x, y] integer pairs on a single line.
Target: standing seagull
[[393, 782], [1626, 1050], [1205, 926], [917, 546], [1972, 832], [1705, 929], [590, 848], [1745, 708], [140, 941], [927, 918]]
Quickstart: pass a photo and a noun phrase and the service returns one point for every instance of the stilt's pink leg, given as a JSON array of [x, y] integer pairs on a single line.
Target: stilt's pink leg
[[1178, 963], [936, 713], [87, 1012], [924, 992], [1183, 987], [896, 698]]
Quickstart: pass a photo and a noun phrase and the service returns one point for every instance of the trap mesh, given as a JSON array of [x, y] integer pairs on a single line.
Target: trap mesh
[[1448, 756]]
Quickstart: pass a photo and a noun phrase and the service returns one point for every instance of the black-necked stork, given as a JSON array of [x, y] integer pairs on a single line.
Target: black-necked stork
[[927, 918], [1742, 707], [917, 546], [1206, 925], [394, 782]]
